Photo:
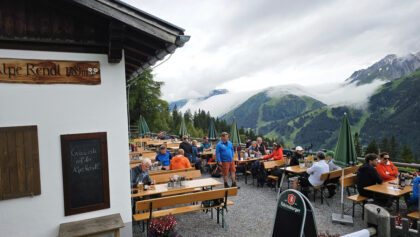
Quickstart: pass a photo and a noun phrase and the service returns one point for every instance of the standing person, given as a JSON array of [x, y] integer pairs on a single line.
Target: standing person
[[277, 153], [296, 156], [330, 161], [186, 147], [179, 161], [367, 176], [164, 157], [261, 146], [386, 169], [205, 145], [224, 154]]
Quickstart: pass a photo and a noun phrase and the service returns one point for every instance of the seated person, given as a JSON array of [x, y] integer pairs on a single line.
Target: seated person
[[248, 142], [140, 173], [277, 153], [164, 156], [385, 168], [261, 146], [179, 161], [330, 161], [194, 157], [414, 198], [314, 172], [205, 145], [186, 146], [296, 156], [368, 176], [253, 149]]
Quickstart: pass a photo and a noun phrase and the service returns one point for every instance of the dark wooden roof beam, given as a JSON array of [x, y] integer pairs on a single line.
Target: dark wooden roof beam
[[114, 11], [116, 37]]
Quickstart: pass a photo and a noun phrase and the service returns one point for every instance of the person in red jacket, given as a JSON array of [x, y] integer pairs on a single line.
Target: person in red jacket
[[385, 168], [277, 153]]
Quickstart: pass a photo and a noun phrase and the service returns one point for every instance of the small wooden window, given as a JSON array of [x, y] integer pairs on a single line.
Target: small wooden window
[[19, 162]]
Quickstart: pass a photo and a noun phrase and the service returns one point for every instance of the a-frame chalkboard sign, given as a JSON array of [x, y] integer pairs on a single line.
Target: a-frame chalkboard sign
[[85, 172], [294, 216]]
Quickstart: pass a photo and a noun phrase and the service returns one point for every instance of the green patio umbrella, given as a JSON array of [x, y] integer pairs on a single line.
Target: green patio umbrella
[[212, 131], [345, 156], [182, 129], [143, 128], [234, 134]]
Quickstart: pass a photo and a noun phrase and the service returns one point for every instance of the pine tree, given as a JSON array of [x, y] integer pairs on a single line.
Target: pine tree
[[384, 146], [357, 145], [393, 149], [372, 147], [406, 155]]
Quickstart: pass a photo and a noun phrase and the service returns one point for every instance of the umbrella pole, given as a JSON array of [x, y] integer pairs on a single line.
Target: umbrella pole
[[342, 193], [341, 218]]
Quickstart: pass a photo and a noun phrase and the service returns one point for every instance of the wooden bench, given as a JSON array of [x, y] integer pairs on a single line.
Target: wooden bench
[[99, 226], [326, 177], [165, 177], [333, 175], [149, 208], [350, 180], [358, 199], [155, 172], [268, 165], [413, 215]]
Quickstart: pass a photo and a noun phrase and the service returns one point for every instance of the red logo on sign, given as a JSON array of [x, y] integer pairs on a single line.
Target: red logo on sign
[[291, 199]]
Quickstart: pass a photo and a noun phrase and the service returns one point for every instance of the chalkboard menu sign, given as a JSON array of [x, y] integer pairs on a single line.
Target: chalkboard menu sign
[[294, 216], [85, 172]]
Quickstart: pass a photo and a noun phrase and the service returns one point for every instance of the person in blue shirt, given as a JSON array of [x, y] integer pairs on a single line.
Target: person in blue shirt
[[205, 145], [164, 156], [224, 154], [253, 149], [194, 157], [414, 199]]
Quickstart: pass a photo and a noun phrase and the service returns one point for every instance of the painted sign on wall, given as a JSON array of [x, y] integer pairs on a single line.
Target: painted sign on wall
[[49, 72]]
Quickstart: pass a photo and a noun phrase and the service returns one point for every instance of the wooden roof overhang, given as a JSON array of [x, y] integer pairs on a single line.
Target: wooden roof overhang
[[90, 26]]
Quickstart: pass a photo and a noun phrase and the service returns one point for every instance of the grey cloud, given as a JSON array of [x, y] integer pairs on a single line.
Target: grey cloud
[[235, 39]]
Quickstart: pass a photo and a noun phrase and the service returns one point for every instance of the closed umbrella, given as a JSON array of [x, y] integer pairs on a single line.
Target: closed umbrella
[[182, 129], [234, 134], [345, 156], [143, 128], [212, 131]]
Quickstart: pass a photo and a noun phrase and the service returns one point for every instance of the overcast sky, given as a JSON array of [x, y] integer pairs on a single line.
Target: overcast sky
[[249, 45]]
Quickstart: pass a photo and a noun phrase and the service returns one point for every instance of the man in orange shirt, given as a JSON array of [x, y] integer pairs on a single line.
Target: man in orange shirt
[[277, 153], [385, 168], [179, 161]]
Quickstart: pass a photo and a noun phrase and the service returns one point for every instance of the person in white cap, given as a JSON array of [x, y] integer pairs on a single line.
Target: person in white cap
[[296, 156]]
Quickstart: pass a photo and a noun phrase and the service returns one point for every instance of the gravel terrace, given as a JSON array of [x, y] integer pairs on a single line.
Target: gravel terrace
[[253, 215]]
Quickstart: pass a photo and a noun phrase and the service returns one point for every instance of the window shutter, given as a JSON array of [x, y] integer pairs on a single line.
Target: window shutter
[[19, 162]]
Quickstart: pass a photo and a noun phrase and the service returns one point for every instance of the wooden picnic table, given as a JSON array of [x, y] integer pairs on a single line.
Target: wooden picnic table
[[296, 169], [204, 153], [190, 186], [390, 189], [246, 164]]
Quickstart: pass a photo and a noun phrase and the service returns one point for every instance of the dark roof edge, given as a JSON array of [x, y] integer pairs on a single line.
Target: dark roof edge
[[149, 15]]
